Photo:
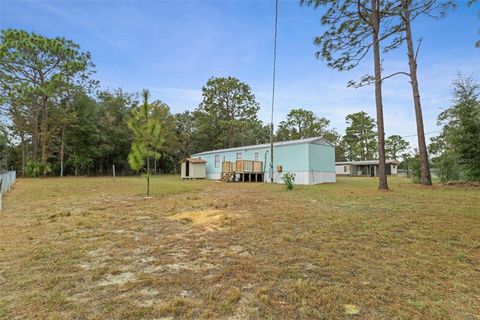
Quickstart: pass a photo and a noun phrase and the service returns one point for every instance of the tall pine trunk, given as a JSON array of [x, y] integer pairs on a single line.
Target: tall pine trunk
[[425, 178], [148, 173], [62, 151], [382, 175], [148, 152], [24, 152], [44, 132], [35, 138]]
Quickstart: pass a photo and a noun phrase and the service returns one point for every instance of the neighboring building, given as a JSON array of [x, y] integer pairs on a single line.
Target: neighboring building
[[312, 160], [193, 168], [364, 168]]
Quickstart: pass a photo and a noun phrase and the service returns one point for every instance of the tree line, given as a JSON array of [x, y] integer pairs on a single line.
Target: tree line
[[58, 122]]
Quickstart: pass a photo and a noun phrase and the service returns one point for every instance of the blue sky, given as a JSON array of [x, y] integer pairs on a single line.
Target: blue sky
[[173, 47]]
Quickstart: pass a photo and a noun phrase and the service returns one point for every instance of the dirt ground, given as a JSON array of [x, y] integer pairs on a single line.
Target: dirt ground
[[94, 248]]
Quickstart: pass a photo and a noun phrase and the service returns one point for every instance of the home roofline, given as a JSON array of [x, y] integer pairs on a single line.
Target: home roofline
[[264, 145]]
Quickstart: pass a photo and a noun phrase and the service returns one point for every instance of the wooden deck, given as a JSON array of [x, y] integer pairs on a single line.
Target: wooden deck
[[242, 170]]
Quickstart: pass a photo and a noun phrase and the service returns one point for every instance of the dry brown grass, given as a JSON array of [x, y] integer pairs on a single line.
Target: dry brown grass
[[89, 248]]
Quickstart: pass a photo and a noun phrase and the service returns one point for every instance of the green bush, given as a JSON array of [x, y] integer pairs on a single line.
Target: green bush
[[36, 168], [415, 173], [447, 168], [288, 180]]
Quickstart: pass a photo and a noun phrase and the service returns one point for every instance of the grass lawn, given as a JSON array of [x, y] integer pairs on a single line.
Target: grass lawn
[[92, 248]]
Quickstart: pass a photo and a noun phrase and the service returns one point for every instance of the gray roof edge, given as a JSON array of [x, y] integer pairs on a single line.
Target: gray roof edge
[[275, 144], [366, 162]]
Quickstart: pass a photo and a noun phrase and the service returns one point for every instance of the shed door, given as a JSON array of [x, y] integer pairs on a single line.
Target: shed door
[[187, 169]]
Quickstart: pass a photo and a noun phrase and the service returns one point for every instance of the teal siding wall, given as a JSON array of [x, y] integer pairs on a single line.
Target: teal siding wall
[[230, 156], [321, 158], [296, 157], [291, 158]]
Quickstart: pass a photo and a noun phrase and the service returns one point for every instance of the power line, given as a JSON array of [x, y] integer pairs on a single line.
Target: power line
[[414, 135]]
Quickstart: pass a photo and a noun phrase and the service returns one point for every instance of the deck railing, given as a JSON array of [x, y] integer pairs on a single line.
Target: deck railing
[[240, 166]]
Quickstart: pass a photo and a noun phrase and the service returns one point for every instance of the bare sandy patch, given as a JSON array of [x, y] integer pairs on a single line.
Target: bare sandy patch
[[211, 219], [118, 279]]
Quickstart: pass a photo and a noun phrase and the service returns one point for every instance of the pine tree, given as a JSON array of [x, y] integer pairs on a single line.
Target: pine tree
[[395, 145], [146, 137], [354, 29]]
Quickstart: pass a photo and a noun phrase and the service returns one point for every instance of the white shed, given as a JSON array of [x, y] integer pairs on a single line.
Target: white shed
[[193, 168]]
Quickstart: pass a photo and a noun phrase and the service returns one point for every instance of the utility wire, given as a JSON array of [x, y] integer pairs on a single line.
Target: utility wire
[[414, 135]]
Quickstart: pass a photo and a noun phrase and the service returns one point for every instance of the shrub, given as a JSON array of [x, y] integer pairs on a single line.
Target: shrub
[[35, 168], [288, 180], [447, 168], [412, 165], [415, 173]]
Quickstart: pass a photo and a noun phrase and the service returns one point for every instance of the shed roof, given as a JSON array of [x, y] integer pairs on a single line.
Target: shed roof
[[366, 162], [194, 160], [317, 140]]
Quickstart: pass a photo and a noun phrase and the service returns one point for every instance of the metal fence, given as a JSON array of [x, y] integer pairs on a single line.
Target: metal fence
[[7, 179]]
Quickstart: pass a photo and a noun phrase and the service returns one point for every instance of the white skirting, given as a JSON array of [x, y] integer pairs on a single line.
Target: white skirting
[[214, 176], [301, 177], [308, 177]]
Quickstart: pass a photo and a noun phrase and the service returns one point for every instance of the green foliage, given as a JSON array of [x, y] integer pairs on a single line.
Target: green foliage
[[39, 78], [301, 123], [99, 137], [348, 35], [395, 145], [457, 149], [58, 121], [289, 180], [147, 139], [448, 168], [415, 173], [35, 169], [411, 163], [227, 114], [360, 138]]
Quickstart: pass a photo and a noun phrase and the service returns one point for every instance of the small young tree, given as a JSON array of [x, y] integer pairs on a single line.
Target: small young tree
[[146, 137]]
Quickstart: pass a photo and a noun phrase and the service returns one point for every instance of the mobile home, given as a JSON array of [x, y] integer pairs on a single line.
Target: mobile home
[[312, 160]]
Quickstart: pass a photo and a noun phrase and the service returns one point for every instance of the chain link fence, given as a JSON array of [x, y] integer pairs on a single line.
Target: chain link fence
[[7, 179]]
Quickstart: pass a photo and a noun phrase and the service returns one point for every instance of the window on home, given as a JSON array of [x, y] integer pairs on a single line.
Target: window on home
[[344, 168], [255, 156], [217, 161], [239, 156]]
